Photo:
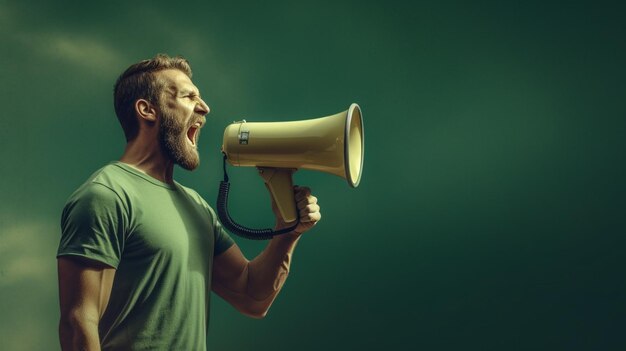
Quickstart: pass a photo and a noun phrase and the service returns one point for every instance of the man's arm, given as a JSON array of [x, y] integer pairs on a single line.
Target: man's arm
[[84, 291], [252, 286]]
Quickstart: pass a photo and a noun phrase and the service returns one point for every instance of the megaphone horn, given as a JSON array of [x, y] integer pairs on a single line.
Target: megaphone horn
[[332, 144]]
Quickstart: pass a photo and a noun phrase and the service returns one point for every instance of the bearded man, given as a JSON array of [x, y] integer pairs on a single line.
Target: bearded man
[[139, 252]]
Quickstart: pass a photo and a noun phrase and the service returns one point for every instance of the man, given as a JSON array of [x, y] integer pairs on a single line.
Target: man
[[140, 253]]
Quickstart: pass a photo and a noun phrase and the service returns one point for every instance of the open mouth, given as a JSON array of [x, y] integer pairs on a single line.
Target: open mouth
[[192, 133]]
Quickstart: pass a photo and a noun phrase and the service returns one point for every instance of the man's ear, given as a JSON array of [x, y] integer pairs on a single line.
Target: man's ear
[[145, 110]]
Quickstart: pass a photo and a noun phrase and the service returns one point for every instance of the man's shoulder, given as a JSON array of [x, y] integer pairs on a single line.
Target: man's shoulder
[[101, 184], [110, 176]]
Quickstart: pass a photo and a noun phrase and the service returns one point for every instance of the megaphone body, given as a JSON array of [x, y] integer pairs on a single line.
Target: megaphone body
[[332, 144]]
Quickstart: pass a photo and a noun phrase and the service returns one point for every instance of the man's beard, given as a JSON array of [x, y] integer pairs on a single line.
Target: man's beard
[[172, 137]]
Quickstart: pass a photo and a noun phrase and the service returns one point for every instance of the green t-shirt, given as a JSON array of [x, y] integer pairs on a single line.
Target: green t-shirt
[[161, 238]]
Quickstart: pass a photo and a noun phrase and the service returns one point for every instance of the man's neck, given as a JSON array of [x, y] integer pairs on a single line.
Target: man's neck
[[149, 158]]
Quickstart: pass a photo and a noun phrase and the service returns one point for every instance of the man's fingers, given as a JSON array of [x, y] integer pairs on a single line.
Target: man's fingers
[[311, 217], [312, 208], [308, 209], [309, 200]]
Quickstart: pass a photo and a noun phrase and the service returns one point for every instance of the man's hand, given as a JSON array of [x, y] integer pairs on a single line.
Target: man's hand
[[308, 211]]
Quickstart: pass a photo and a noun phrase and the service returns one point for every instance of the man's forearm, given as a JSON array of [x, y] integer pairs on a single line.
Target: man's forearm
[[269, 270]]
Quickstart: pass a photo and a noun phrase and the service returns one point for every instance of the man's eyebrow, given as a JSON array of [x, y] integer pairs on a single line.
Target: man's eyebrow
[[186, 91]]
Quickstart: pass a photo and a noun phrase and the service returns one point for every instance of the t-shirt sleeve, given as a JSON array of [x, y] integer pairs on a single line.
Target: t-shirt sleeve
[[93, 225], [223, 241]]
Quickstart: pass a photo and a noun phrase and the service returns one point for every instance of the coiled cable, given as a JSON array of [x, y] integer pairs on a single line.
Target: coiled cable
[[235, 228]]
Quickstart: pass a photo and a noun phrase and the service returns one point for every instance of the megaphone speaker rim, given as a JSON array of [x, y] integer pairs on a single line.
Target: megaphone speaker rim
[[349, 172]]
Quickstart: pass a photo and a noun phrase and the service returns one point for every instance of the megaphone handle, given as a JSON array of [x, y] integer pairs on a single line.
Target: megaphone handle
[[279, 181]]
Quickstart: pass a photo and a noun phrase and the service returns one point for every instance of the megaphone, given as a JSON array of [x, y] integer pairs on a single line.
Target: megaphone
[[332, 144]]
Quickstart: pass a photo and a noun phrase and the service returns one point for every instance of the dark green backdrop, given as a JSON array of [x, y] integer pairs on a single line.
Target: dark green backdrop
[[491, 210]]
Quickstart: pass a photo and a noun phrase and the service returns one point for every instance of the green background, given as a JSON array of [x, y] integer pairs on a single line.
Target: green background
[[491, 212]]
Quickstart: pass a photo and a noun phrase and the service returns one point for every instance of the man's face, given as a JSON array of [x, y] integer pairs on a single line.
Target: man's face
[[182, 116]]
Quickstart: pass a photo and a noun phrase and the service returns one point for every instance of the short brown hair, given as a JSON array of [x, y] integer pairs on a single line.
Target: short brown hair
[[139, 81]]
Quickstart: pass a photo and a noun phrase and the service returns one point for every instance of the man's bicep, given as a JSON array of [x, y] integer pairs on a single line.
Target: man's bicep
[[230, 271], [84, 288]]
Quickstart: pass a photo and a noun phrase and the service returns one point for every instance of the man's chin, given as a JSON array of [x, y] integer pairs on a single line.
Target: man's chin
[[190, 163], [189, 167], [180, 153]]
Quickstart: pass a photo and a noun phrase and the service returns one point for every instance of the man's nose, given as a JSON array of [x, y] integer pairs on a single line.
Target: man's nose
[[202, 108]]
